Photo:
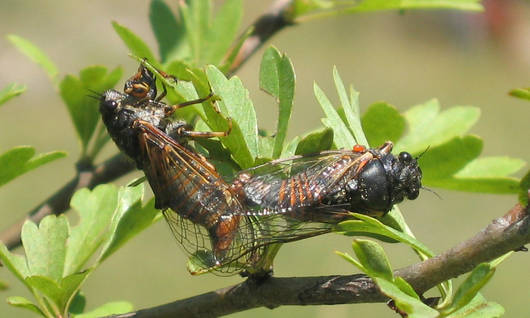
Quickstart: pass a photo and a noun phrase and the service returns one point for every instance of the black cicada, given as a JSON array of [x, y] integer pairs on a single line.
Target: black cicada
[[203, 213], [324, 187]]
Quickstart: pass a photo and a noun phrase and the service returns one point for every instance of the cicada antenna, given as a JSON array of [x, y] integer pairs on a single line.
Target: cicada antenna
[[94, 95], [432, 191], [424, 152]]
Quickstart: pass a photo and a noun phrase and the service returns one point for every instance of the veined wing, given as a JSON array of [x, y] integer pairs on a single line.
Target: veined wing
[[202, 212], [292, 185]]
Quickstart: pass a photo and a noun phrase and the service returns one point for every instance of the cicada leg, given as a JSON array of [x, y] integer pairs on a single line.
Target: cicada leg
[[207, 134], [170, 109]]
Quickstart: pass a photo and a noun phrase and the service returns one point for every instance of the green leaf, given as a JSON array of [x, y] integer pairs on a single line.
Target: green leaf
[[470, 287], [48, 287], [410, 305], [278, 79], [352, 260], [10, 91], [342, 137], [373, 258], [77, 306], [351, 108], [59, 292], [428, 127], [290, 149], [95, 210], [22, 159], [445, 160], [70, 286], [134, 43], [524, 188], [479, 185], [301, 7], [479, 307], [395, 220], [197, 17], [129, 219], [315, 141], [180, 70], [83, 110], [377, 5], [451, 166], [201, 262], [221, 32], [45, 246], [35, 55], [22, 302], [405, 287], [16, 264], [367, 225], [108, 309], [235, 103], [168, 31], [209, 39], [187, 91], [266, 146], [523, 93], [3, 285], [491, 167], [382, 122]]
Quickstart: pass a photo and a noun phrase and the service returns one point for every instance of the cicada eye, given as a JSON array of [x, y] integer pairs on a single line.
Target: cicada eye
[[405, 157], [110, 104], [110, 100]]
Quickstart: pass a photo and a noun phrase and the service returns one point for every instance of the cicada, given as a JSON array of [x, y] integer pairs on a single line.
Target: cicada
[[203, 213], [324, 187]]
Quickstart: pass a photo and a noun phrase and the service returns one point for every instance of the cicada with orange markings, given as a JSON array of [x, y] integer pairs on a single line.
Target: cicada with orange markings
[[324, 187]]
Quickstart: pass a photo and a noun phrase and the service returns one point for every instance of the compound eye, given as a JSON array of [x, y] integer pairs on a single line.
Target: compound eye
[[112, 104], [405, 157]]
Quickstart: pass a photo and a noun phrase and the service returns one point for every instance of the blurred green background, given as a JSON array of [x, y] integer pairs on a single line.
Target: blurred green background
[[404, 59]]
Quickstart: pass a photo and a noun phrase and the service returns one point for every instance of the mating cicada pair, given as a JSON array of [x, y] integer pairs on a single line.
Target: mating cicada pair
[[228, 225]]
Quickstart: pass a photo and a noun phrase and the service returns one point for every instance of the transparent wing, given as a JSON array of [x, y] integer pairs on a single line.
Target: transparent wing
[[202, 213], [294, 185]]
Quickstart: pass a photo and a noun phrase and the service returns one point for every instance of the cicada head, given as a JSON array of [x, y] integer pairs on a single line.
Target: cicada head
[[383, 182], [119, 118], [110, 104], [407, 177]]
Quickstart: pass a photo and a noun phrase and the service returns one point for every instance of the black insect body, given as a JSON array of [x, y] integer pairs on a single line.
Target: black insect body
[[197, 202], [324, 187]]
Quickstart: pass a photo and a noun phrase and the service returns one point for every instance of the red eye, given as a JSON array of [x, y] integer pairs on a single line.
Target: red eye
[[359, 148]]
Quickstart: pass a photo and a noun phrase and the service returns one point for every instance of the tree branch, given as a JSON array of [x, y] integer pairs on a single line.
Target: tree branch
[[59, 202], [268, 24], [263, 28], [503, 235]]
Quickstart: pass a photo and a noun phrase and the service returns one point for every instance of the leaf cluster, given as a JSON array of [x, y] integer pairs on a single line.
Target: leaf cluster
[[466, 302], [57, 253]]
